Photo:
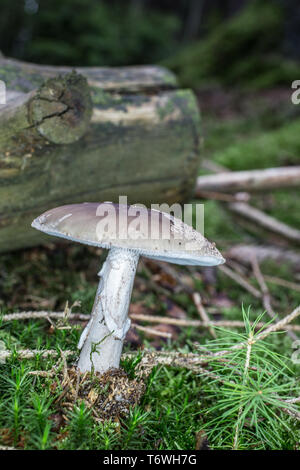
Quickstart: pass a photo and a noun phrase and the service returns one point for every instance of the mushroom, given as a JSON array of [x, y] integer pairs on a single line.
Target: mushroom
[[127, 232]]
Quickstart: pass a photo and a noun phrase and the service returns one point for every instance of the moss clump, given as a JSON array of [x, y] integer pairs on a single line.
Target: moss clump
[[109, 395]]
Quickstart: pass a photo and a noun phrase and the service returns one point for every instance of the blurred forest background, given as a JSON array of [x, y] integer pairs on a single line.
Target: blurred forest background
[[249, 42]]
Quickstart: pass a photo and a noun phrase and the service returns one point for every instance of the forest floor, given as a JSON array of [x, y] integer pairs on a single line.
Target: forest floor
[[179, 407]]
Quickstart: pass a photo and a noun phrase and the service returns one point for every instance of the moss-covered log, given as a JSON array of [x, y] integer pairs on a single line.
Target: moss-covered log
[[129, 132]]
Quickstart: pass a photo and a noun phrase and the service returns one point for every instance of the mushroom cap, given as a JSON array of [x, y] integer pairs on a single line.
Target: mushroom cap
[[154, 234]]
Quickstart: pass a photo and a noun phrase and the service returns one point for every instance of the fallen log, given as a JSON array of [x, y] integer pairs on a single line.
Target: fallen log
[[92, 135], [252, 180]]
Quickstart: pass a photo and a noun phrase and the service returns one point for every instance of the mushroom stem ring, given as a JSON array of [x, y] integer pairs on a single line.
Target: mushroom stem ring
[[101, 342]]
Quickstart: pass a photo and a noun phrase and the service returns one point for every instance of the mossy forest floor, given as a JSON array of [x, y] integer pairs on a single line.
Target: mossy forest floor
[[179, 408]]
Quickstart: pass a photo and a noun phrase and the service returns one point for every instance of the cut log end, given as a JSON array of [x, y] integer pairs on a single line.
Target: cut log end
[[61, 109]]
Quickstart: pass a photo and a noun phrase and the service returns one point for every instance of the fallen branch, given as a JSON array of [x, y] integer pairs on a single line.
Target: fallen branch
[[201, 310], [30, 315], [169, 356], [244, 254], [282, 282], [246, 211], [200, 323], [267, 222], [266, 296], [293, 413], [238, 197], [293, 400], [188, 360], [240, 280], [151, 331], [32, 353], [139, 317], [251, 180]]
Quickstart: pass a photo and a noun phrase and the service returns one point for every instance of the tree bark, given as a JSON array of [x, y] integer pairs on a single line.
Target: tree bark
[[91, 135]]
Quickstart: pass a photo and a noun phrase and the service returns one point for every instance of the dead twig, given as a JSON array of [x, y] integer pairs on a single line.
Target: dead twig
[[286, 175], [200, 323], [152, 331], [293, 413], [282, 282], [238, 197], [266, 296], [44, 315], [267, 222], [244, 254], [32, 353], [249, 180], [201, 310], [293, 400], [141, 317], [240, 280]]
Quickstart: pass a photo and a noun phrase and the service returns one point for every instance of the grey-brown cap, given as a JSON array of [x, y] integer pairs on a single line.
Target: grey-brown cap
[[152, 233]]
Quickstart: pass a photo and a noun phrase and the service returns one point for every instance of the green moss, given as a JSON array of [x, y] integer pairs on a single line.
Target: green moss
[[188, 104], [16, 78], [119, 102], [274, 148], [102, 98], [166, 110], [169, 78]]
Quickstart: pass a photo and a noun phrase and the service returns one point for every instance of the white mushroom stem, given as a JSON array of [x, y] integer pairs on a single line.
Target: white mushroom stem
[[101, 342]]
